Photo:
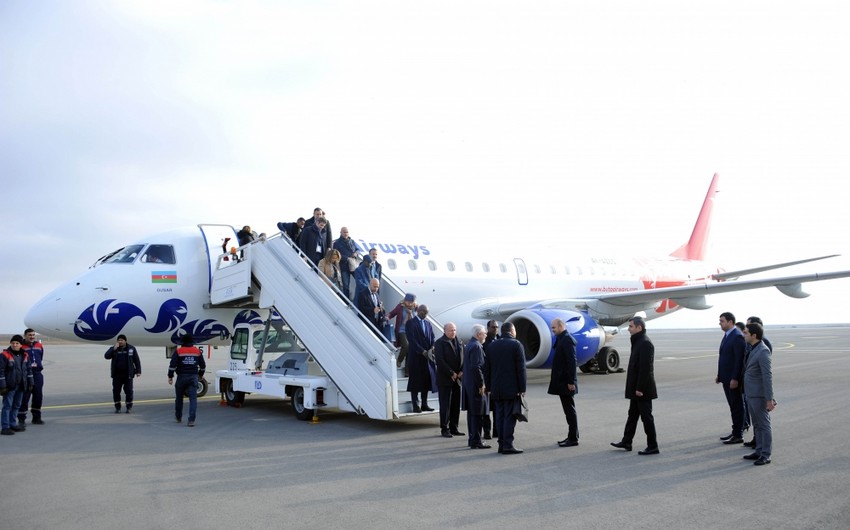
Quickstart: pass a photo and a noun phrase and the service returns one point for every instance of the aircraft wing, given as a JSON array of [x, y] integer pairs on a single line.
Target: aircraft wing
[[690, 295], [730, 275]]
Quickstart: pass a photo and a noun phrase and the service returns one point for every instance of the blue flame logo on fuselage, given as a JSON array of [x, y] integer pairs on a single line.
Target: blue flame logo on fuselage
[[105, 320]]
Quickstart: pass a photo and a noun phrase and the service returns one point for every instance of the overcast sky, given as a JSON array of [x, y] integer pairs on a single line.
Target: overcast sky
[[592, 126]]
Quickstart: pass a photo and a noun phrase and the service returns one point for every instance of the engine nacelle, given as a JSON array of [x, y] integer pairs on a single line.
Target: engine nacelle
[[533, 330]]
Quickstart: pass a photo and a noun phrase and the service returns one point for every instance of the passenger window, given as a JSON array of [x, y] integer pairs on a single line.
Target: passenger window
[[450, 265], [391, 264], [468, 266], [503, 267], [432, 265], [537, 269], [485, 267], [412, 264], [159, 254], [552, 268], [567, 269]]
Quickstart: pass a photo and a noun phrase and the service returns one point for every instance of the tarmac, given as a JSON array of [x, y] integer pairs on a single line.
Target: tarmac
[[259, 467]]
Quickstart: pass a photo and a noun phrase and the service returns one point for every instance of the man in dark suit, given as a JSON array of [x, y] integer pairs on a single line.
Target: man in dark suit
[[313, 241], [420, 339], [505, 377], [318, 213], [492, 334], [759, 389], [563, 380], [474, 391], [730, 369], [369, 303], [448, 355], [640, 389]]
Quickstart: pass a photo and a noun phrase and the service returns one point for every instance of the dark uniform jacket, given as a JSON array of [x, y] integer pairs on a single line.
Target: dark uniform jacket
[[15, 370], [125, 361], [448, 354], [640, 375], [563, 366], [505, 368], [473, 378], [187, 361]]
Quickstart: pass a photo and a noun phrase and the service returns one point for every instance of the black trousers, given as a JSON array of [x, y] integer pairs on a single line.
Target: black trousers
[[449, 407], [639, 408], [736, 408], [125, 383], [569, 405]]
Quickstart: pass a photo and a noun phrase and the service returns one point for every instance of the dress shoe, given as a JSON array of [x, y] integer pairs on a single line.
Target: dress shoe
[[762, 461], [487, 436], [752, 456], [734, 440], [568, 443], [622, 445], [9, 432], [724, 438], [457, 433], [649, 451], [190, 423], [178, 419], [18, 428], [751, 443], [416, 408], [445, 434], [117, 411], [480, 446], [426, 408], [38, 422], [511, 451]]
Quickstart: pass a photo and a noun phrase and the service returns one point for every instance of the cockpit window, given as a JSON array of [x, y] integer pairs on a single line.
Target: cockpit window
[[127, 254], [159, 254]]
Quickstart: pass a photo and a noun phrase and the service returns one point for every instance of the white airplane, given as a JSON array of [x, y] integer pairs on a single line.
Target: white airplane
[[158, 289]]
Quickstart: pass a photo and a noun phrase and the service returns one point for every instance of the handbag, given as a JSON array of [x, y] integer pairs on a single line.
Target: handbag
[[520, 409], [352, 264]]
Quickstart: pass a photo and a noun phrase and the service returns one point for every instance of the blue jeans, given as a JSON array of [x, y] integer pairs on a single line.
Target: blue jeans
[[188, 384], [11, 406]]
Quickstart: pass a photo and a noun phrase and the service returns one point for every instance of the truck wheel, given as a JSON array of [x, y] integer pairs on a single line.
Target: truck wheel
[[233, 398], [301, 412], [203, 386]]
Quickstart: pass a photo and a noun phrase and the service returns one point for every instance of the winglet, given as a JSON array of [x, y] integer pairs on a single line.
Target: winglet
[[697, 246]]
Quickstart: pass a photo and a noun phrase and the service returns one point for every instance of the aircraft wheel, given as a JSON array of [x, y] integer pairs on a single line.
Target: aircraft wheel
[[608, 359], [301, 412], [234, 398]]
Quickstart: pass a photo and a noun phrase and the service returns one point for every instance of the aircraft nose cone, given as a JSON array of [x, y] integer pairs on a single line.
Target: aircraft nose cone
[[43, 316]]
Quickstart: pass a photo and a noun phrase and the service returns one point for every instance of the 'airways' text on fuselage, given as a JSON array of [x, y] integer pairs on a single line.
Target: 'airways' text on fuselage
[[388, 248]]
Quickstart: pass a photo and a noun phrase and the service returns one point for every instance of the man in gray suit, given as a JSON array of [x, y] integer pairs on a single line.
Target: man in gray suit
[[758, 384]]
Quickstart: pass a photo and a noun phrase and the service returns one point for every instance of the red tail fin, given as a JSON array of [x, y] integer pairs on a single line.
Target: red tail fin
[[696, 247]]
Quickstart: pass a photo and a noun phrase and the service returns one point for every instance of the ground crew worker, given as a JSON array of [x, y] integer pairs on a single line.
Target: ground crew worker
[[35, 352], [124, 367], [188, 362], [15, 379]]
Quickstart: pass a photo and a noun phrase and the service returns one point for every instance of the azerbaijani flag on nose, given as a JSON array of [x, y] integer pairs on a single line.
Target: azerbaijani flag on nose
[[164, 277]]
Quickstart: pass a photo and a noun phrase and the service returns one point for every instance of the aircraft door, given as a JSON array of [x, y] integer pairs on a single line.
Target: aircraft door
[[215, 238], [521, 271]]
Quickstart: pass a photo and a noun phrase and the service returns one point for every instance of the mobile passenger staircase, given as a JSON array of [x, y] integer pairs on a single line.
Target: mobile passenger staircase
[[357, 363]]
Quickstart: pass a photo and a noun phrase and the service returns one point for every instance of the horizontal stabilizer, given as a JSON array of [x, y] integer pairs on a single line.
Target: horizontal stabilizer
[[743, 272]]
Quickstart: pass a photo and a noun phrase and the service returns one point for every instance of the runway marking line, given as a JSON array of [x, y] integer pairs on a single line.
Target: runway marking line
[[111, 403]]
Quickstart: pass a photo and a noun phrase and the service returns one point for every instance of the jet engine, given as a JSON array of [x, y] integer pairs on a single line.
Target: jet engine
[[533, 330]]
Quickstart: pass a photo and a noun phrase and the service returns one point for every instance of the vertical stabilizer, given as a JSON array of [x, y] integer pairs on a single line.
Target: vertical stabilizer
[[696, 247]]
